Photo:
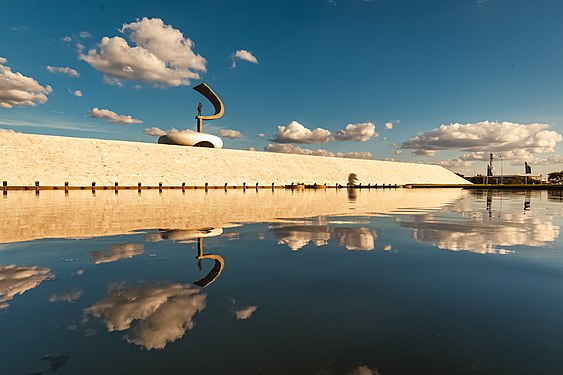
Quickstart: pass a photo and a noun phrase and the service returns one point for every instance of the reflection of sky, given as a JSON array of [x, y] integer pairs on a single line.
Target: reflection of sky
[[163, 312], [117, 252], [16, 280], [319, 232], [493, 229]]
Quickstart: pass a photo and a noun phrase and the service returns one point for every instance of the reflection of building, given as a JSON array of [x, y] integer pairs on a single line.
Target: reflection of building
[[53, 215], [16, 280]]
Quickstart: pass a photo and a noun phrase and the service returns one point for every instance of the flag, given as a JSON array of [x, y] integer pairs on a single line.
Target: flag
[[489, 171], [528, 168]]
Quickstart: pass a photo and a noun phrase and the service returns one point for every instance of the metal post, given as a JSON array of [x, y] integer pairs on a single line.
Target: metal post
[[501, 171]]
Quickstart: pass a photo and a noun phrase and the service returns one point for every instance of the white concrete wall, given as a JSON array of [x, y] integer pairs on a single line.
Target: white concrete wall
[[26, 158]]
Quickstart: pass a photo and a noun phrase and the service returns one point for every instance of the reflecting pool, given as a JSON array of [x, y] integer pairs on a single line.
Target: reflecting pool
[[394, 281]]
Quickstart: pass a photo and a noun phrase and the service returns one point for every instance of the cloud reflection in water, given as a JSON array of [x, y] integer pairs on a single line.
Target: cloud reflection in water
[[117, 252], [163, 312], [16, 280], [492, 231]]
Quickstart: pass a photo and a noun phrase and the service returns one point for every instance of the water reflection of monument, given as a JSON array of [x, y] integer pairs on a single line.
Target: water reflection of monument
[[188, 236]]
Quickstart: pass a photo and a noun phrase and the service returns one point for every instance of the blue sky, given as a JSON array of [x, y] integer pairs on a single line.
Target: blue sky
[[453, 80]]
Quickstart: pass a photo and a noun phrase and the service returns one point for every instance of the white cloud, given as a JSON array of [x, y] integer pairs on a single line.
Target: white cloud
[[63, 70], [15, 280], [390, 124], [292, 149], [550, 160], [117, 252], [80, 47], [160, 55], [261, 135], [245, 313], [85, 34], [512, 140], [297, 133], [356, 132], [113, 117], [154, 131], [455, 163], [228, 133], [67, 39], [242, 54], [19, 90], [77, 93], [163, 312]]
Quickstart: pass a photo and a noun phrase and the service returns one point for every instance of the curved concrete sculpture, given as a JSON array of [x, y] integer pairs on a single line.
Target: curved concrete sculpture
[[198, 139], [191, 138]]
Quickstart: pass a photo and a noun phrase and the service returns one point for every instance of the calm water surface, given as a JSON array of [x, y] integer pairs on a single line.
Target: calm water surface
[[261, 282]]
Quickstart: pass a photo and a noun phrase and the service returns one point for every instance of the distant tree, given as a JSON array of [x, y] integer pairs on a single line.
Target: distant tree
[[555, 177]]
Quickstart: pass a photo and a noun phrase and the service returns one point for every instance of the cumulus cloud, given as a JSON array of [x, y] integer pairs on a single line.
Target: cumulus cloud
[[19, 90], [550, 160], [245, 313], [117, 252], [67, 39], [293, 149], [512, 140], [455, 163], [113, 117], [77, 93], [16, 280], [242, 54], [356, 132], [163, 312], [63, 70], [390, 124], [161, 55], [261, 135], [85, 34], [297, 133], [228, 133], [154, 131]]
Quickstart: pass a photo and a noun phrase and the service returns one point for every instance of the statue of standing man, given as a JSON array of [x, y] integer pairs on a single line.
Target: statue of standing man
[[199, 107]]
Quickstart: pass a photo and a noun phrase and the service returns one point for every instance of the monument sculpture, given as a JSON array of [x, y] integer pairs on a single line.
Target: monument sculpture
[[199, 138]]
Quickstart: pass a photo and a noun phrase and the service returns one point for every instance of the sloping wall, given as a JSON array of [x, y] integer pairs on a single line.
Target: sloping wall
[[26, 158]]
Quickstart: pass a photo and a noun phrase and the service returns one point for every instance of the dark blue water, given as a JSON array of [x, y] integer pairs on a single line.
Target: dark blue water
[[474, 286]]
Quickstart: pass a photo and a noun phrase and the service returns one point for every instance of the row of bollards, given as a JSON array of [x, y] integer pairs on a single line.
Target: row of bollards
[[37, 187]]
